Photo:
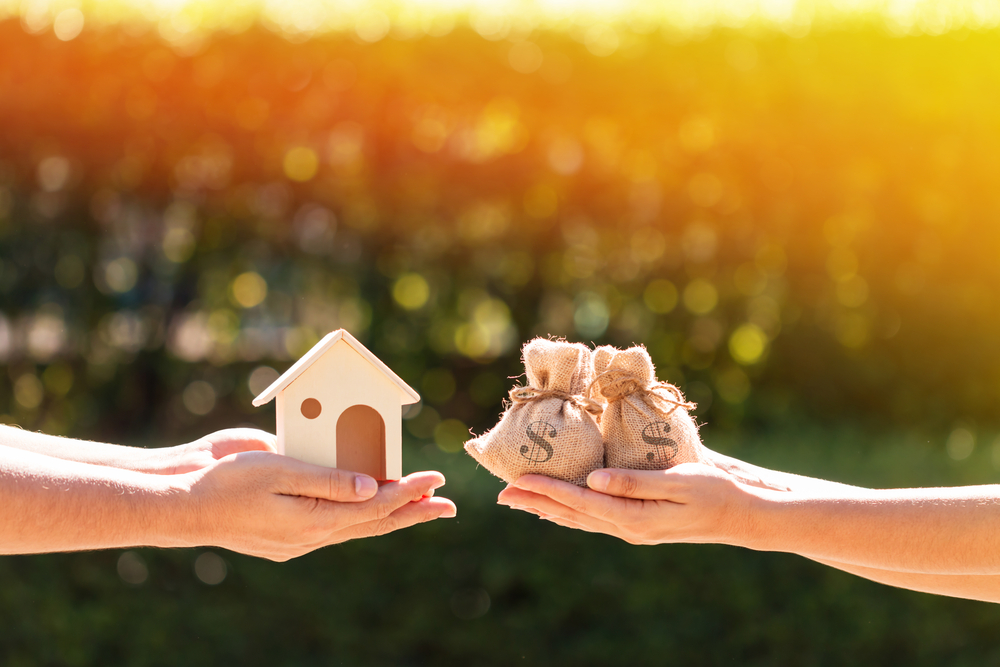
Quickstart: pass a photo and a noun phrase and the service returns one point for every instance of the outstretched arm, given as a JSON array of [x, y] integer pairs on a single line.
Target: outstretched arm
[[253, 502], [935, 540], [162, 460]]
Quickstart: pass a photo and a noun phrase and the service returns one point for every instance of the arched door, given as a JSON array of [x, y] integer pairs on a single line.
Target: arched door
[[361, 441]]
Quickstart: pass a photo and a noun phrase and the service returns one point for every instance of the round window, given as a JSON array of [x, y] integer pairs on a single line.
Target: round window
[[311, 408]]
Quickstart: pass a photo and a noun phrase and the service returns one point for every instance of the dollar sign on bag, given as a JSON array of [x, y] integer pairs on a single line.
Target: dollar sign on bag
[[536, 432], [655, 434]]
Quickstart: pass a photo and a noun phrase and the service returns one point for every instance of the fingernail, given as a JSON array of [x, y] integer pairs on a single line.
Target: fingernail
[[365, 486], [449, 513], [598, 480]]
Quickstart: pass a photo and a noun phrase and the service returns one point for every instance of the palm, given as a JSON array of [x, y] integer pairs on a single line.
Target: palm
[[207, 450]]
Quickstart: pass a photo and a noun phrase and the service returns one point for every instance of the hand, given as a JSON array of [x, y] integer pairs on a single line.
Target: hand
[[688, 503], [207, 450], [275, 507]]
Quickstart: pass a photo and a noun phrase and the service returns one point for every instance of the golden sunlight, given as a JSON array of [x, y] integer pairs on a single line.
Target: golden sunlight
[[181, 21]]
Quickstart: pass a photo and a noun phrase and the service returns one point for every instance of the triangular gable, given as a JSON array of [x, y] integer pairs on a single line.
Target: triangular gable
[[317, 351]]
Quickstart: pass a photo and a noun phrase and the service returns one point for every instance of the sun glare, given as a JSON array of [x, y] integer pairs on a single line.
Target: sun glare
[[178, 20]]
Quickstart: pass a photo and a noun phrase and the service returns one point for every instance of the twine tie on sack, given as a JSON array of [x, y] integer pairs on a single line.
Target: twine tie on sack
[[528, 394], [617, 383]]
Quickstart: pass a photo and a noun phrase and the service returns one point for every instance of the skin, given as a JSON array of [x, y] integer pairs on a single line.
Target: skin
[[940, 541], [229, 489]]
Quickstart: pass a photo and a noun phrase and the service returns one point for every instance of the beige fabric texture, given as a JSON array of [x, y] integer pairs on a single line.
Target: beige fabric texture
[[546, 430], [646, 424]]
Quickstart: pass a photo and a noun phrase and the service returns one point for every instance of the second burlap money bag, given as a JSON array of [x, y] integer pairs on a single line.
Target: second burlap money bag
[[547, 428], [645, 424]]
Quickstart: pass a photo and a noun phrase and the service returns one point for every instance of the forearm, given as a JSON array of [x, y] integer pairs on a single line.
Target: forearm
[[765, 478], [985, 587], [82, 451], [953, 531], [49, 504]]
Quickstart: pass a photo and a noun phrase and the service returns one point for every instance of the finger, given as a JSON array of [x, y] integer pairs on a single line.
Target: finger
[[566, 523], [648, 484], [342, 486], [232, 440], [542, 504], [582, 501], [410, 514], [394, 495], [555, 519]]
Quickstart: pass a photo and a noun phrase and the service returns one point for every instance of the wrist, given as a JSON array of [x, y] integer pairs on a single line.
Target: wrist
[[171, 514], [756, 509]]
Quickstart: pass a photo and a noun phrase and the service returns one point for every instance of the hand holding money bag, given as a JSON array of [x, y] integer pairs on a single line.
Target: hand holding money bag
[[547, 428], [645, 424]]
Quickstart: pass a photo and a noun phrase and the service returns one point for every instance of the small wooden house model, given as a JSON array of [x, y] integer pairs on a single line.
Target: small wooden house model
[[340, 406]]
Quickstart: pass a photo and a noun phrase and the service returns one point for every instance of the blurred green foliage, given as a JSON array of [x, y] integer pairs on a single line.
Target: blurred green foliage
[[802, 231]]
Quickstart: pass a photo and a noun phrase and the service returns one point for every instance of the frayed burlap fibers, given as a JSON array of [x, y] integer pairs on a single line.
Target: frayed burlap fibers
[[645, 423], [547, 428]]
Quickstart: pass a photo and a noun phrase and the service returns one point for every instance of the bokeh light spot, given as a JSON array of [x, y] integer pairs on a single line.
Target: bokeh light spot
[[58, 379], [199, 398], [525, 57], [372, 25], [411, 291], [178, 245], [121, 274], [301, 164], [601, 40], [132, 568], [28, 391], [248, 289], [472, 340], [696, 134], [591, 316], [260, 379], [700, 296], [422, 424], [53, 173], [747, 344], [961, 443], [852, 292], [68, 24], [660, 296], [210, 568], [450, 435]]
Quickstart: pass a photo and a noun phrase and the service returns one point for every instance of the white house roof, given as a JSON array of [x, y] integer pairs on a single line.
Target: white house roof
[[316, 352]]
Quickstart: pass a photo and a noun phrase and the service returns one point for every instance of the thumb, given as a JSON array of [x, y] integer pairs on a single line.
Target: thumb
[[640, 484], [313, 481]]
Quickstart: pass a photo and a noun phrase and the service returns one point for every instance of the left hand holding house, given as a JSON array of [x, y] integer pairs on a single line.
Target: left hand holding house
[[228, 489], [276, 507]]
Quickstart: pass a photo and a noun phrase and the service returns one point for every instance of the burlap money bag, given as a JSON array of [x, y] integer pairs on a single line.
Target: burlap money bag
[[547, 428], [645, 424]]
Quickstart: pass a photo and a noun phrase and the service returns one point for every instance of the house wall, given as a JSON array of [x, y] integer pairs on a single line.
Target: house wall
[[338, 379]]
